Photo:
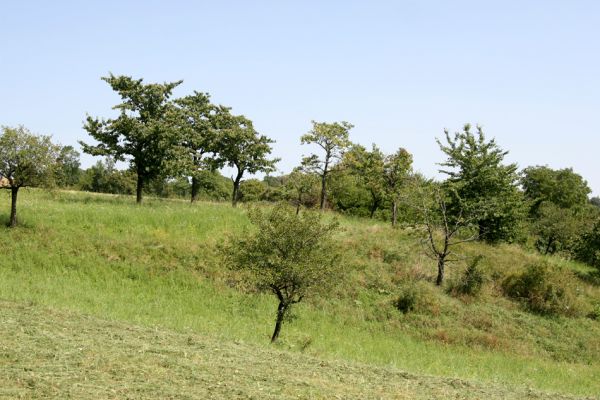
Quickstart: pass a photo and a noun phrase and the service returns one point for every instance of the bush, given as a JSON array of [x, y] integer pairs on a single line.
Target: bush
[[543, 290], [416, 297], [472, 280]]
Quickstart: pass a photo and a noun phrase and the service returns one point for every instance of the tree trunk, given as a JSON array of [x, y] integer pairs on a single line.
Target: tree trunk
[[13, 207], [374, 206], [236, 189], [139, 189], [323, 191], [281, 309], [440, 275], [298, 204], [394, 212], [195, 188]]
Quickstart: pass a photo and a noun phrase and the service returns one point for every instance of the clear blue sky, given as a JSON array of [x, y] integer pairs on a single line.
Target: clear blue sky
[[400, 71]]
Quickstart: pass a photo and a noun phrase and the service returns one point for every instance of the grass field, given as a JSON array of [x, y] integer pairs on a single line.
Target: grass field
[[100, 263]]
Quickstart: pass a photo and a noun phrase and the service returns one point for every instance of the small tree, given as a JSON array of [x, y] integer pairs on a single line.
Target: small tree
[[68, 171], [444, 231], [243, 148], [369, 167], [290, 255], [396, 170], [299, 186], [25, 160], [143, 131], [334, 140]]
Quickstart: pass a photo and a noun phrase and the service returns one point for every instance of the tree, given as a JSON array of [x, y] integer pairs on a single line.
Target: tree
[[588, 248], [396, 169], [369, 167], [299, 186], [556, 228], [563, 187], [143, 131], [68, 172], [290, 255], [483, 184], [104, 177], [595, 201], [199, 138], [243, 148], [454, 229], [25, 160], [333, 138]]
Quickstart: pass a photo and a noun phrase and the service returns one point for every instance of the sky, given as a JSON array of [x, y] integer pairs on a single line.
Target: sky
[[399, 71]]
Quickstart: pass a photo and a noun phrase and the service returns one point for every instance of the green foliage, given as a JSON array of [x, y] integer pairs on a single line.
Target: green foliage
[[289, 255], [103, 177], [416, 297], [141, 133], [543, 289], [243, 148], [482, 185], [301, 188], [252, 190], [557, 229], [564, 188], [27, 159], [588, 248], [368, 168], [333, 139], [68, 172], [471, 281]]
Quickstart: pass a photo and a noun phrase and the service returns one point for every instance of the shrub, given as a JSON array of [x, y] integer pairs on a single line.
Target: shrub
[[472, 280], [416, 297], [543, 290]]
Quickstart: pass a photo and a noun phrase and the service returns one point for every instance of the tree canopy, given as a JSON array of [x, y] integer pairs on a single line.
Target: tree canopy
[[143, 134]]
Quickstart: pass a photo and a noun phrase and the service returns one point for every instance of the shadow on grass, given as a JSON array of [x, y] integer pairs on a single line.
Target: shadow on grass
[[592, 276]]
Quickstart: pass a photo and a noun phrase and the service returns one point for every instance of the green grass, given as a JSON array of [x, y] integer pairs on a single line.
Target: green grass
[[156, 265]]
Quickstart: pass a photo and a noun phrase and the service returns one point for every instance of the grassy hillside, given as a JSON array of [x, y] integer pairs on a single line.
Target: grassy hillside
[[155, 265], [51, 354]]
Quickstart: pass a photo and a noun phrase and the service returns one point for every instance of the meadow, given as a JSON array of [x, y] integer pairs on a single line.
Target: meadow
[[82, 259]]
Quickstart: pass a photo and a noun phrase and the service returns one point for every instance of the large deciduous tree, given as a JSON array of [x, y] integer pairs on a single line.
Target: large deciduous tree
[[290, 255], [199, 138], [243, 148], [25, 160], [482, 184], [369, 167], [333, 138], [143, 132]]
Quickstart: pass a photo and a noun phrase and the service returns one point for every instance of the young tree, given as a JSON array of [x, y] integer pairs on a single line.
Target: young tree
[[299, 186], [483, 184], [143, 131], [396, 170], [444, 231], [290, 255], [556, 228], [199, 138], [243, 148], [25, 160], [68, 172], [369, 167], [333, 138]]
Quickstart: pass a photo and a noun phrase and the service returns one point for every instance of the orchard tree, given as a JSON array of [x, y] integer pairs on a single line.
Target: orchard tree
[[396, 170], [143, 133], [243, 148], [199, 138], [299, 186], [564, 188], [482, 184], [289, 255], [68, 171], [333, 138], [369, 168], [25, 160]]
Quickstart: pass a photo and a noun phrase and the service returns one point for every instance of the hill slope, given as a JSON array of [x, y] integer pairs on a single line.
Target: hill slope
[[156, 265], [51, 354]]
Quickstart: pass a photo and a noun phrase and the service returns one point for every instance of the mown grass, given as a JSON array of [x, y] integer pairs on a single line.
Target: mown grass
[[156, 265]]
